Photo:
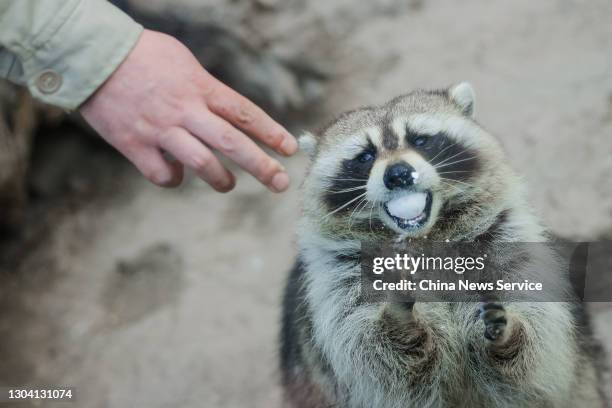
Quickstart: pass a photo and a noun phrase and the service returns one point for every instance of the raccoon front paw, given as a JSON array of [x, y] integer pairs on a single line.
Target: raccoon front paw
[[494, 318]]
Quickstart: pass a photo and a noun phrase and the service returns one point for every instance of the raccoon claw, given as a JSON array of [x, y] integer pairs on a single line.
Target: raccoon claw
[[494, 318]]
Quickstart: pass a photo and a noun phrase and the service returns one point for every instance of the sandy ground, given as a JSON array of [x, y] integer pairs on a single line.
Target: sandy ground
[[158, 298]]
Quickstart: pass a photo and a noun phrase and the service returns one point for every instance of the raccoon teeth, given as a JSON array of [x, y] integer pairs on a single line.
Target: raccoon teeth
[[408, 207]]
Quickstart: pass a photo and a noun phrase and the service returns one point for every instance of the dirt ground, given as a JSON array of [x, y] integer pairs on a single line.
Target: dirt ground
[[144, 297]]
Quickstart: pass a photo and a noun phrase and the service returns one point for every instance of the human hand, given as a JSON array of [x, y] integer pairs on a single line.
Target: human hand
[[160, 99]]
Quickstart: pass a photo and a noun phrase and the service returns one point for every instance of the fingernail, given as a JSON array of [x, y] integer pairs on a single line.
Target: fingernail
[[289, 145], [280, 182], [227, 187]]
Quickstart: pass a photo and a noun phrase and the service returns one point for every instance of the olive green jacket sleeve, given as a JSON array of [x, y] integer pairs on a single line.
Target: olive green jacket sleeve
[[63, 50]]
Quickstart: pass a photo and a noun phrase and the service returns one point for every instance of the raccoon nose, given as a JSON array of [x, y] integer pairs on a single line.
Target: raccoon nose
[[399, 175]]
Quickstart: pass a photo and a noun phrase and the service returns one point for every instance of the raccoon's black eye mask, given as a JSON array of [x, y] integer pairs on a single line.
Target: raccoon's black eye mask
[[367, 155], [420, 141], [427, 144], [449, 156], [350, 181]]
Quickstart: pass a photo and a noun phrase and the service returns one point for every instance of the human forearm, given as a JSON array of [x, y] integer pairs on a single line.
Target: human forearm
[[63, 50]]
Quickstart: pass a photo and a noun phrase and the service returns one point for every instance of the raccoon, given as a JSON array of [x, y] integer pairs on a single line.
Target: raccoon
[[421, 168]]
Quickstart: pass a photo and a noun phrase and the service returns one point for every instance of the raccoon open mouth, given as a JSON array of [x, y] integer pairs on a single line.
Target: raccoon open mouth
[[410, 211]]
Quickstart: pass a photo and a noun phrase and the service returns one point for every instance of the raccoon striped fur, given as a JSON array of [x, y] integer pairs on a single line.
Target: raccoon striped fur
[[421, 168]]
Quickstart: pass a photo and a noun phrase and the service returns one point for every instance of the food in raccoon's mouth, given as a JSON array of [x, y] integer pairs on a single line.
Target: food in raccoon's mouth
[[409, 210], [408, 206]]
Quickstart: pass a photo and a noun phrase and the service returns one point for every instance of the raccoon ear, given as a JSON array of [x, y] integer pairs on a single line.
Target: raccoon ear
[[463, 96], [308, 143]]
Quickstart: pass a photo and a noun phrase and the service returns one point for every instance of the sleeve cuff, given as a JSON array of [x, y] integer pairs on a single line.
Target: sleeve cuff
[[83, 52]]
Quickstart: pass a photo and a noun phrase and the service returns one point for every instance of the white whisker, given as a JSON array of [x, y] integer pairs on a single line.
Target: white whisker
[[370, 217], [455, 171], [442, 151], [457, 181], [453, 186], [455, 162], [346, 190], [452, 157], [345, 204], [363, 203], [346, 179]]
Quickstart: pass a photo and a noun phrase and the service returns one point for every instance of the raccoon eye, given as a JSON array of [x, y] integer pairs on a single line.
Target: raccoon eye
[[366, 157], [420, 141]]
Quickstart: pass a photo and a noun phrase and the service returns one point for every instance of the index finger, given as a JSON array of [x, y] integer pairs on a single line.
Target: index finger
[[248, 117]]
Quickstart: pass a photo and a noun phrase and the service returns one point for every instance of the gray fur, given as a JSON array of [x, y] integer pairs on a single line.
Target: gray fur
[[338, 351]]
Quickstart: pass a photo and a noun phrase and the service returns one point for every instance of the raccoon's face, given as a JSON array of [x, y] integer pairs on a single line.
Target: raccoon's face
[[403, 167]]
